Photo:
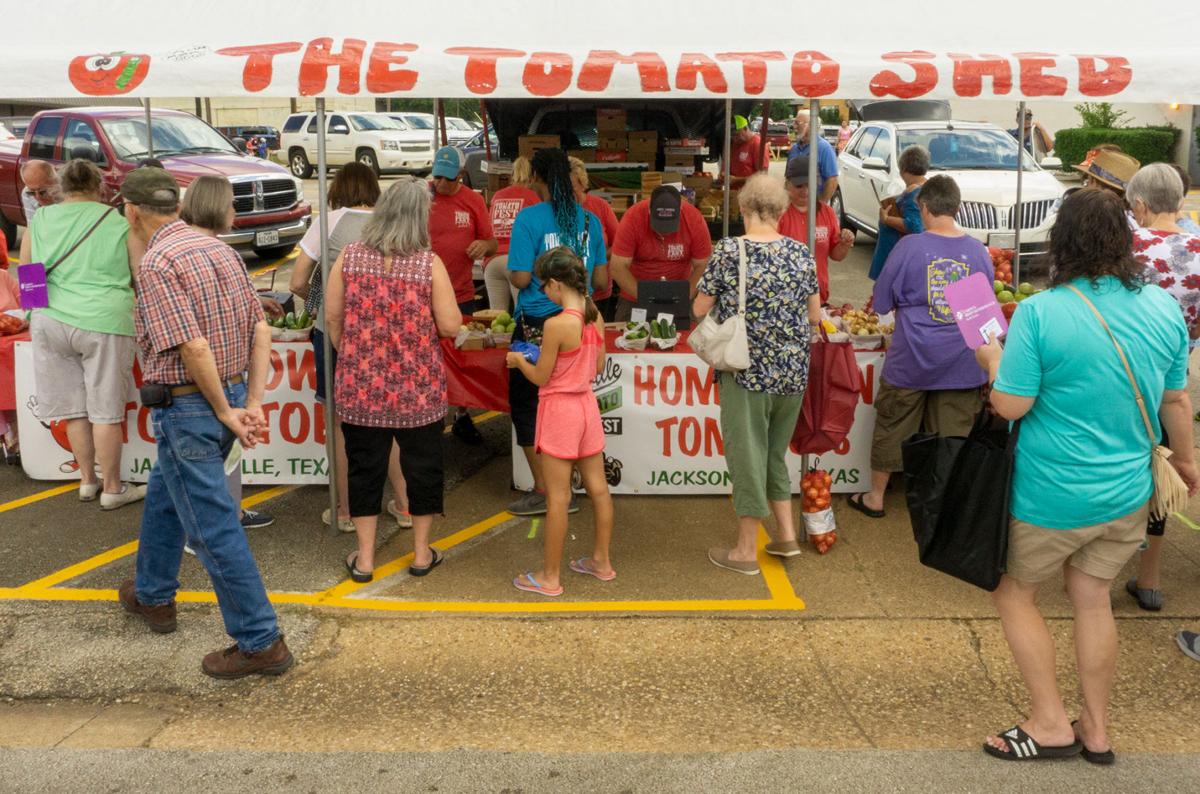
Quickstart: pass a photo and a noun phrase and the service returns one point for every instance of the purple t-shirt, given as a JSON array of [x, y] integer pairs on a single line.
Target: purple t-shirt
[[928, 352]]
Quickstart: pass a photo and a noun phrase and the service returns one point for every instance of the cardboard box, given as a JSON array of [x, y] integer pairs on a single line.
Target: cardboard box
[[611, 119], [587, 155], [644, 153], [497, 182], [700, 184], [672, 178], [613, 141], [686, 142], [643, 138], [527, 145], [679, 160], [651, 180], [609, 156]]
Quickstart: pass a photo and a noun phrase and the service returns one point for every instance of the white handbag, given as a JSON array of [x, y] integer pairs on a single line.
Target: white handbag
[[724, 346]]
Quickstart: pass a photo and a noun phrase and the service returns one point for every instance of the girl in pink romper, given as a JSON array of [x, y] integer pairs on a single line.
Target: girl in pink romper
[[569, 432]]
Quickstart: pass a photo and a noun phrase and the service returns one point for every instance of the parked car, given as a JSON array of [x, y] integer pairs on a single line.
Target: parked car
[[981, 158], [474, 155], [457, 130], [374, 139], [777, 133], [248, 132], [272, 215]]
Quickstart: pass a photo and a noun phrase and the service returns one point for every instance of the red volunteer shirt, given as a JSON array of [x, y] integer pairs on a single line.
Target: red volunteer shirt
[[608, 219], [748, 158], [794, 224], [506, 203], [454, 223], [656, 256]]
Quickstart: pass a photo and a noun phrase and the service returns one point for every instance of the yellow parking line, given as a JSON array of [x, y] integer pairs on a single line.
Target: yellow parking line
[[517, 607], [267, 268], [486, 416], [39, 586], [37, 497], [775, 576]]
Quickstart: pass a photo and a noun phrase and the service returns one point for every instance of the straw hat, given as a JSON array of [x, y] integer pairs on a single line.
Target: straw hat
[[1113, 168]]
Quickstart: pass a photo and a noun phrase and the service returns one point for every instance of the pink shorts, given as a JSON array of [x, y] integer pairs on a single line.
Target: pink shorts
[[568, 426]]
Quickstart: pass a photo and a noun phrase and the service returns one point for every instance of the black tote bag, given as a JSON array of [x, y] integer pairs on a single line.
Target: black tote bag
[[957, 491]]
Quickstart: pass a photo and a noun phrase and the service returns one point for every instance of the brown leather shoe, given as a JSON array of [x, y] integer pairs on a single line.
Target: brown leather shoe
[[234, 663], [160, 618]]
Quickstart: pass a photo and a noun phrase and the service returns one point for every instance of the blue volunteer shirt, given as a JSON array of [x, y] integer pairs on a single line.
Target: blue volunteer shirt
[[826, 159], [534, 233], [1083, 456]]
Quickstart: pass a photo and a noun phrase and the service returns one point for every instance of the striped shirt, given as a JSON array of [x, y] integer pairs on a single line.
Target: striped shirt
[[193, 286]]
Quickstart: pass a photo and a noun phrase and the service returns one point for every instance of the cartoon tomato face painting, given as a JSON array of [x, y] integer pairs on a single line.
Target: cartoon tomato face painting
[[108, 74]]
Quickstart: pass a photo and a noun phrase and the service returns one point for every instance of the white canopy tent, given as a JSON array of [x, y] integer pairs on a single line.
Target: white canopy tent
[[623, 49]]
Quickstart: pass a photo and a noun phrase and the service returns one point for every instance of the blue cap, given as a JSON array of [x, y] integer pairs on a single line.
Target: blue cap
[[447, 162]]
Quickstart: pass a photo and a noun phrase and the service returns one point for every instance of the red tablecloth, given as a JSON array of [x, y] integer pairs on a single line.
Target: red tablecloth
[[479, 378], [8, 364]]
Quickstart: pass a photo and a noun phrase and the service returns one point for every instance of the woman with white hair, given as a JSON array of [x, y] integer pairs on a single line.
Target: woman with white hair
[[389, 299], [759, 405], [1171, 257]]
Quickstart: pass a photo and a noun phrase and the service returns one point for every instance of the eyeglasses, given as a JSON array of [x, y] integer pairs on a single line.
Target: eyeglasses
[[43, 192]]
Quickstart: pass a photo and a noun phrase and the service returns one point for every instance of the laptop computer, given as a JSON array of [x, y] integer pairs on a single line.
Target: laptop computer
[[671, 297]]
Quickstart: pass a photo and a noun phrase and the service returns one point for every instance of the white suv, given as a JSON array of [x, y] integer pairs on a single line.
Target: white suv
[[981, 158], [376, 140]]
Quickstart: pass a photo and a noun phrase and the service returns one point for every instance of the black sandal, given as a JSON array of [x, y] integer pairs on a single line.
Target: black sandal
[[355, 574], [861, 507], [1022, 747], [1106, 758], [413, 570]]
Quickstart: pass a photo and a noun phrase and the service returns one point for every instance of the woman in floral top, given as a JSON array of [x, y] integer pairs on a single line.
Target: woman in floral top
[[388, 300], [1172, 260], [760, 405]]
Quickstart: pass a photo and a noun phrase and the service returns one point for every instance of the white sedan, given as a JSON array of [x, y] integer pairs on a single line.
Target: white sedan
[[980, 157]]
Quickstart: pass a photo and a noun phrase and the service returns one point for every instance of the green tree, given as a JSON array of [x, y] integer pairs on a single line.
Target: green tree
[[1101, 116]]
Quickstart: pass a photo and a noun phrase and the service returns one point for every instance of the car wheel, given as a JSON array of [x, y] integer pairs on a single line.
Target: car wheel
[[299, 165], [275, 252], [836, 204], [367, 157]]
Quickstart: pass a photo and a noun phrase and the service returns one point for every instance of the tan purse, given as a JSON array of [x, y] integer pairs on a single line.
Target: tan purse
[[1170, 492]]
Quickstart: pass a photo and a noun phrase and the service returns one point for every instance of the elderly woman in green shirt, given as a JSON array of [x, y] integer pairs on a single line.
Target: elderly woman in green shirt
[[83, 343]]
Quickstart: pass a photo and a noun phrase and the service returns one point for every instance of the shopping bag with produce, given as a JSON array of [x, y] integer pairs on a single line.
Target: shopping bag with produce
[[957, 491], [834, 386], [819, 523]]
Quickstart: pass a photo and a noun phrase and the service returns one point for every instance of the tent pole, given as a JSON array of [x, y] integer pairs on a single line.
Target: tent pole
[[763, 128], [149, 130], [1017, 207], [487, 141], [814, 129], [326, 265], [437, 111], [725, 167]]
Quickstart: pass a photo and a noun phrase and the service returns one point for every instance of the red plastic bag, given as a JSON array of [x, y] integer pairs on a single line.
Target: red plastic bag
[[834, 387]]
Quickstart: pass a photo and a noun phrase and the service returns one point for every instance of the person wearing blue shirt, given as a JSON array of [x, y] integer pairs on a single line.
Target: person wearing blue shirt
[[827, 167], [559, 220], [1081, 476]]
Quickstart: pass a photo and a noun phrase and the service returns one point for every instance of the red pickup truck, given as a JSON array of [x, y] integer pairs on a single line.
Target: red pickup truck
[[272, 214]]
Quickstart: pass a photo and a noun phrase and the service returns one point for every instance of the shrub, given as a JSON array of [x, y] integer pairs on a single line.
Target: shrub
[[1100, 115], [831, 115], [1147, 144]]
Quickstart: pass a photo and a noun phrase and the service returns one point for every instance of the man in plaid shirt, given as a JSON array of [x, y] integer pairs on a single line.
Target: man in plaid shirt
[[205, 342]]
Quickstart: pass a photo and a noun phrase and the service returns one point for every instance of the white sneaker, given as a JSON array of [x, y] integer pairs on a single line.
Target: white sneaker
[[189, 550], [344, 524], [88, 493], [402, 518], [129, 494]]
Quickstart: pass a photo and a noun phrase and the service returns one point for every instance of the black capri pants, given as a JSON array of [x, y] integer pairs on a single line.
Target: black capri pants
[[367, 452], [523, 395], [1157, 527]]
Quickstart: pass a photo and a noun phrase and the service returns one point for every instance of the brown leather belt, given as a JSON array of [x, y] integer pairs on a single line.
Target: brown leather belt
[[191, 388]]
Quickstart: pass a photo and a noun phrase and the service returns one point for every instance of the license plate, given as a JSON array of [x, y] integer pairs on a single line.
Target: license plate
[[1003, 240], [265, 239]]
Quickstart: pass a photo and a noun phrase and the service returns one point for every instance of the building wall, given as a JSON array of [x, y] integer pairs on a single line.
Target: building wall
[[245, 111]]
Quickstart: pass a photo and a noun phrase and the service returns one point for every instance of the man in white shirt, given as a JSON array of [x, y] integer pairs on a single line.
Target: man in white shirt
[[41, 187]]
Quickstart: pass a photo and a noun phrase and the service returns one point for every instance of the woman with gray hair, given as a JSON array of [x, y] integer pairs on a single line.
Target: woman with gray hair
[[901, 215], [389, 299], [1171, 258], [760, 405]]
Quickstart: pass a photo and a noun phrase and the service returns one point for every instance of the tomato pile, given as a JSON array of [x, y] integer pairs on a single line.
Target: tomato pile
[[815, 488], [1002, 262]]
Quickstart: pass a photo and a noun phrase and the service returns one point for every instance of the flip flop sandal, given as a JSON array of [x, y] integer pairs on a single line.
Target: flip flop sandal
[[1149, 600], [362, 577], [534, 587], [435, 562], [1022, 747], [583, 565], [1106, 758], [862, 508]]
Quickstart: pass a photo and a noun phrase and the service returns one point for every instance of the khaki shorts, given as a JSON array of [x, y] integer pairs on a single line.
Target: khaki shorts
[[1037, 553], [901, 413], [81, 373]]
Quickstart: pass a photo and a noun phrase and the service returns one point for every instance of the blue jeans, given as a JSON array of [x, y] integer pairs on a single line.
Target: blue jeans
[[187, 499]]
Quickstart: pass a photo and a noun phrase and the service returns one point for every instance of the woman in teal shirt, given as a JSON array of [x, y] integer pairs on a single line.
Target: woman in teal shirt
[[83, 344], [1081, 480]]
